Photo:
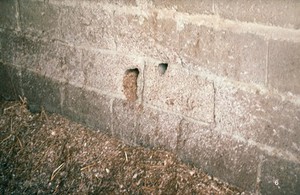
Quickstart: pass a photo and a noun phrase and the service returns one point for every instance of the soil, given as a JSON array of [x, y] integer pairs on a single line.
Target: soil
[[45, 153]]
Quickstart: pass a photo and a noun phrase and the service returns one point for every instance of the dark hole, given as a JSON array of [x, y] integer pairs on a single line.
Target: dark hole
[[130, 84], [162, 68]]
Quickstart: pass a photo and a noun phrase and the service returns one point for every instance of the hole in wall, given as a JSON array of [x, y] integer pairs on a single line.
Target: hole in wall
[[130, 84], [162, 68]]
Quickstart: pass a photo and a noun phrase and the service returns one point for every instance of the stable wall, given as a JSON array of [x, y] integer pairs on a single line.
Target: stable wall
[[216, 82]]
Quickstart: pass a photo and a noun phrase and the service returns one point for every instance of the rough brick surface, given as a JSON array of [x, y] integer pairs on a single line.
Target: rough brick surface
[[194, 97], [238, 56], [136, 124], [40, 17], [90, 26], [219, 155], [158, 129], [221, 94], [8, 19], [278, 13], [267, 120], [146, 36], [193, 6], [106, 71], [284, 66], [279, 177], [87, 107]]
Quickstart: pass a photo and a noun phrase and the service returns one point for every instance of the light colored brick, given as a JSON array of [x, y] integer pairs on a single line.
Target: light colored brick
[[8, 19], [264, 119], [140, 125], [284, 66], [278, 13], [180, 92], [238, 56], [149, 36], [106, 71], [117, 2], [91, 26], [193, 6], [158, 129], [219, 155]]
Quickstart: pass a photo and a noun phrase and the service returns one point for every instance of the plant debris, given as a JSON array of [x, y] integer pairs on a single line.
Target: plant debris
[[45, 153]]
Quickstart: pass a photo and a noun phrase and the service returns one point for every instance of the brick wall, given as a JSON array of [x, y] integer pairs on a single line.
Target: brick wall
[[216, 82]]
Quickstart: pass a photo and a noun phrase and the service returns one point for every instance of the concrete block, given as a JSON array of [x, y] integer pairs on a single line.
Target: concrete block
[[193, 97], [62, 62], [151, 36], [238, 56], [192, 7], [87, 107], [106, 72], [158, 129], [125, 120], [8, 19], [88, 26], [268, 120], [41, 91], [144, 126], [279, 177], [219, 155], [284, 66], [10, 85], [277, 13], [40, 17]]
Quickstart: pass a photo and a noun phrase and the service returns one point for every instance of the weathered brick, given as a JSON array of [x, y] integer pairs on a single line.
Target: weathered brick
[[90, 26], [144, 126], [193, 97], [284, 66], [238, 56], [279, 177], [8, 19], [278, 13], [10, 85], [117, 2], [268, 120], [150, 36], [39, 17], [158, 129], [87, 107], [41, 91], [219, 155], [125, 121], [62, 62], [106, 71], [193, 6]]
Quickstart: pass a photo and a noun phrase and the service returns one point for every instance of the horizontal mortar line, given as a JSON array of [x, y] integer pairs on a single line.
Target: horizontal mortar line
[[213, 21], [247, 87], [177, 114], [239, 27], [272, 151], [93, 89]]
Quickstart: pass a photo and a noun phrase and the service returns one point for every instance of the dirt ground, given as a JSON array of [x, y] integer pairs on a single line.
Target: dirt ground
[[45, 153]]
